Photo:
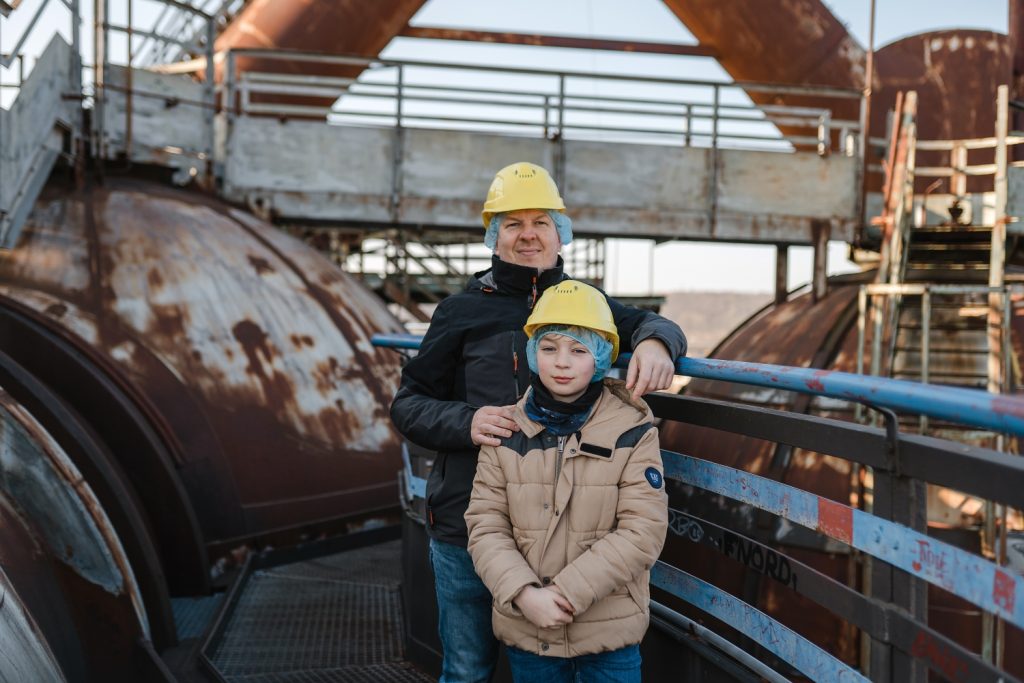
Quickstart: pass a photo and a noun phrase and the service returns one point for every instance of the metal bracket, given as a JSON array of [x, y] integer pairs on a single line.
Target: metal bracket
[[892, 438]]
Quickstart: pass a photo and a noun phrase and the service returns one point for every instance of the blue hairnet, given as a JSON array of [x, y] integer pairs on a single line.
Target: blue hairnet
[[563, 224], [599, 347]]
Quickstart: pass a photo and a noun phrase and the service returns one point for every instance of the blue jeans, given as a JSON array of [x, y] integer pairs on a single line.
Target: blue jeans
[[464, 619], [616, 666]]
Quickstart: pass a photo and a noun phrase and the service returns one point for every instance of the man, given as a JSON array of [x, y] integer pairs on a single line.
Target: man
[[458, 393]]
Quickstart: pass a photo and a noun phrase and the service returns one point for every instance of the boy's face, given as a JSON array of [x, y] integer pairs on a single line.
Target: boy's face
[[565, 366], [528, 238]]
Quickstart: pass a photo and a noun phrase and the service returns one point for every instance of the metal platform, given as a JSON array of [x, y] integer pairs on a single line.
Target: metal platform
[[336, 619]]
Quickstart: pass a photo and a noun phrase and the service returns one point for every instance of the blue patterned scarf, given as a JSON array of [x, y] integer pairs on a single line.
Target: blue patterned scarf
[[558, 417]]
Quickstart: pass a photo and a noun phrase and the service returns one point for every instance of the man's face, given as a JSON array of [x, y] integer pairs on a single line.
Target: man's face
[[528, 238]]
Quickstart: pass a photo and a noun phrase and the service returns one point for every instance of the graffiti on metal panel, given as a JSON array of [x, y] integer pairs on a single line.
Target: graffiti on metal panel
[[687, 527], [758, 558], [939, 655]]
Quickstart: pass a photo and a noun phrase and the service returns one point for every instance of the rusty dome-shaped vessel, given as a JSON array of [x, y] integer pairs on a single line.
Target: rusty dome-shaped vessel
[[197, 380]]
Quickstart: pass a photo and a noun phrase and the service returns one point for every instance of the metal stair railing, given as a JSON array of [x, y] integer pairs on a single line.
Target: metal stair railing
[[998, 377], [40, 125]]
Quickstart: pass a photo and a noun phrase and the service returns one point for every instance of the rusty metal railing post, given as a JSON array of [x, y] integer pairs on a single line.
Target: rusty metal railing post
[[397, 150], [926, 330], [101, 54], [862, 309], [713, 184], [689, 125], [210, 98], [560, 149], [899, 499], [825, 133], [547, 116]]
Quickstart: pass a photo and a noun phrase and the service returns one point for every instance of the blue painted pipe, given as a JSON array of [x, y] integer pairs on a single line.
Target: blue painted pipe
[[997, 412]]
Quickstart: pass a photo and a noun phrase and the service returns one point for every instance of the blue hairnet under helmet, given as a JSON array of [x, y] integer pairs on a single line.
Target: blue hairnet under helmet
[[599, 347], [563, 224]]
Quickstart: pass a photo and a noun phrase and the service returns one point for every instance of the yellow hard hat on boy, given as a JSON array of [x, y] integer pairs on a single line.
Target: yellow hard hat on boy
[[572, 302], [521, 185]]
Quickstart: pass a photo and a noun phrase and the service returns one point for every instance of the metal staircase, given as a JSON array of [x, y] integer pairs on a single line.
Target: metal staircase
[[40, 125], [941, 306]]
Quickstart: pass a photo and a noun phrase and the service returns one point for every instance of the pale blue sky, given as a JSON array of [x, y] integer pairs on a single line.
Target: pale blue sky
[[676, 265]]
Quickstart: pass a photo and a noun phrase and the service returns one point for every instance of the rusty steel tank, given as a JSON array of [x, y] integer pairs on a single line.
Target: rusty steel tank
[[325, 27], [802, 332], [178, 380]]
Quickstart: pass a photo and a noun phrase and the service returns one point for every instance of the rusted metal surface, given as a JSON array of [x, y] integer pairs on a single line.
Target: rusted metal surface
[[62, 560], [955, 74], [46, 485], [251, 350], [335, 27], [541, 40], [780, 41], [800, 42]]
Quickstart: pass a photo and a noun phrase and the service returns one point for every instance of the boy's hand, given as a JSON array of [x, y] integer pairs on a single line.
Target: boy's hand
[[491, 424], [543, 608]]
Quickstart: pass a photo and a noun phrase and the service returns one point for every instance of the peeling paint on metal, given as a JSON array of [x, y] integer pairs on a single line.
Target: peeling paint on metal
[[964, 574], [811, 660], [37, 474]]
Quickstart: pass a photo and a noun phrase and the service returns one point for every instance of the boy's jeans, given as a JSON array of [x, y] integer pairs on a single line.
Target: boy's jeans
[[617, 666], [464, 619]]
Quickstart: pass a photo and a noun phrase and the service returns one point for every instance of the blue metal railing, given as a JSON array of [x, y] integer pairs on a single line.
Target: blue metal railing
[[894, 625], [971, 407]]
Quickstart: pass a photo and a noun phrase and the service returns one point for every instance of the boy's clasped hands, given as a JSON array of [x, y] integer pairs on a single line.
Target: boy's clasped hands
[[544, 607]]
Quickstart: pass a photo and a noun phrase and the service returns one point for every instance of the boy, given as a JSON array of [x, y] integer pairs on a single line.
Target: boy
[[569, 513]]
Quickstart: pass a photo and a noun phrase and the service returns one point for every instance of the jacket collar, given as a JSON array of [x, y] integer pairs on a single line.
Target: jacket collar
[[510, 278], [599, 416], [531, 429]]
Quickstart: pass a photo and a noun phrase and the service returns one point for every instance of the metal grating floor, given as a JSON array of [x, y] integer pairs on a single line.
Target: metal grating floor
[[193, 615], [331, 620]]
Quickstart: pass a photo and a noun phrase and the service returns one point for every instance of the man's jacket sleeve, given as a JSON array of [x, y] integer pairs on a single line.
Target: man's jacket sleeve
[[636, 325], [423, 409]]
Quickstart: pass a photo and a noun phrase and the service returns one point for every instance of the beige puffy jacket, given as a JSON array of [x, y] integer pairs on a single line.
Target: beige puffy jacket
[[592, 522]]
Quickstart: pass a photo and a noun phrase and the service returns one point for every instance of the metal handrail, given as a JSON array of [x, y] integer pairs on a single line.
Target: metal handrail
[[548, 108], [778, 88], [967, 406], [898, 460]]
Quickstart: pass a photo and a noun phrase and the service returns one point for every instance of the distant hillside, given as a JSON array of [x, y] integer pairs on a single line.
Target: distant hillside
[[707, 317]]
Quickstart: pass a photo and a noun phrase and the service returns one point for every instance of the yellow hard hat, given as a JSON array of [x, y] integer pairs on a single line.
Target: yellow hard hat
[[572, 302], [521, 186]]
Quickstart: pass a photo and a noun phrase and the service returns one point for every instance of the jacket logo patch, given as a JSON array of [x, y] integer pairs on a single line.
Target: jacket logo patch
[[654, 477], [596, 450]]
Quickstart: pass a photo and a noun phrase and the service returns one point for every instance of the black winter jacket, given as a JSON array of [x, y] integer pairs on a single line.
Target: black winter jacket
[[474, 355]]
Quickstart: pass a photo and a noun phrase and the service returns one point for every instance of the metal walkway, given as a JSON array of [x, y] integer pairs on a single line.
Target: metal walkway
[[337, 619]]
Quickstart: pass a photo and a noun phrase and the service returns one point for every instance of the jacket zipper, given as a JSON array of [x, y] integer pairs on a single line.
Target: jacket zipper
[[565, 556], [533, 292], [515, 367], [561, 449]]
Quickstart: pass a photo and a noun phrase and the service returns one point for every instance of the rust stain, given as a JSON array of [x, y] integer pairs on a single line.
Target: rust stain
[[261, 265]]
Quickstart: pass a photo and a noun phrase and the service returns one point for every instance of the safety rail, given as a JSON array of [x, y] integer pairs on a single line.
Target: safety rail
[[553, 106], [892, 612]]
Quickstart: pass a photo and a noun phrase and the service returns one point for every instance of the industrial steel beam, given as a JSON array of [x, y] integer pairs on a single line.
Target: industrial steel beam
[[539, 40], [8, 6]]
